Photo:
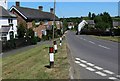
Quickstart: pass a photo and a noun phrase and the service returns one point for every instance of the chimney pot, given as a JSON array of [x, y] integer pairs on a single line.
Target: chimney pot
[[40, 8], [17, 3], [52, 10]]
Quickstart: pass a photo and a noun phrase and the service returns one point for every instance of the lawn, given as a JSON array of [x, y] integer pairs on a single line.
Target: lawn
[[110, 38], [31, 64]]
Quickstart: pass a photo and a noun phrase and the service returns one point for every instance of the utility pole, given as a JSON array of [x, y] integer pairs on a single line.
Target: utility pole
[[54, 18]]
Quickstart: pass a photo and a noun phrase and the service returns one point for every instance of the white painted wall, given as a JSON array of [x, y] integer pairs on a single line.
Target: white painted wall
[[4, 21], [81, 25]]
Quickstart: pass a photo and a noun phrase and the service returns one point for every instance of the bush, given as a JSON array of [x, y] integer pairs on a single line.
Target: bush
[[34, 40]]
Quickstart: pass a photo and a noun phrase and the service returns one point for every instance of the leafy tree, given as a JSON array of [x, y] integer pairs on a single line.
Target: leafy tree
[[89, 15], [21, 30], [93, 15], [65, 25], [33, 24], [30, 33]]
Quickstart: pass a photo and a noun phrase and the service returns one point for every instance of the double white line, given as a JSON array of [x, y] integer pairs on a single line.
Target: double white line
[[96, 69]]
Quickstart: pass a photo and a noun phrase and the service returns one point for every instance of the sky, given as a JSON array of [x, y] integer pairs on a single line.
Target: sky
[[74, 9]]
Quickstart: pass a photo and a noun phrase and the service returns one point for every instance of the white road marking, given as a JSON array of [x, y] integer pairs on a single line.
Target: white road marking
[[103, 46], [118, 76], [83, 61], [91, 42], [84, 39], [109, 72], [90, 69], [97, 67], [103, 72], [77, 59], [113, 78], [83, 65], [77, 62], [100, 73], [90, 64]]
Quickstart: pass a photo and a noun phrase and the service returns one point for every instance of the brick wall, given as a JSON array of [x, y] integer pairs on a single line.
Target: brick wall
[[20, 19], [39, 30], [29, 25]]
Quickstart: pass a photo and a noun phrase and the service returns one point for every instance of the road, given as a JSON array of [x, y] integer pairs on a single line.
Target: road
[[93, 58]]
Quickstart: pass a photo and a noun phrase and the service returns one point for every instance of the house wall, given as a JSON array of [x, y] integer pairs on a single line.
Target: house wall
[[4, 3], [14, 27], [39, 30], [4, 22], [20, 19], [29, 25]]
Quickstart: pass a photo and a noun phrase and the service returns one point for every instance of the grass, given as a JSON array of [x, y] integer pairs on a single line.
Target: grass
[[31, 64], [110, 38]]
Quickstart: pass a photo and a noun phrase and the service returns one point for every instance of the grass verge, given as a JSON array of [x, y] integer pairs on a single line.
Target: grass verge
[[110, 38], [31, 64]]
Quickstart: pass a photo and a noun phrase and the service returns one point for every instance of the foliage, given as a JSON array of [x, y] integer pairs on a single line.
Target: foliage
[[21, 30], [30, 33], [103, 21], [65, 25], [93, 16], [89, 15], [33, 24]]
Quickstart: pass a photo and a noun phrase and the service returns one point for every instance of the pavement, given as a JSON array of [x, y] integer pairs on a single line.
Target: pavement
[[93, 58]]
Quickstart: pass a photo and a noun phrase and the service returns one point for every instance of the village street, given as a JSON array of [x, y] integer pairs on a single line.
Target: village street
[[93, 58]]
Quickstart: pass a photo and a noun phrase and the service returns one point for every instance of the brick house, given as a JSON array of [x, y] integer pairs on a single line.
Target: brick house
[[28, 15]]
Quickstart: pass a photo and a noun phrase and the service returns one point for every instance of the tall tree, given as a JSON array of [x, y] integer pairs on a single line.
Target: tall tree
[[93, 15], [89, 15]]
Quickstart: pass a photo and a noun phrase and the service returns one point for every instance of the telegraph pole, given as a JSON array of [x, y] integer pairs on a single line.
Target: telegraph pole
[[54, 18]]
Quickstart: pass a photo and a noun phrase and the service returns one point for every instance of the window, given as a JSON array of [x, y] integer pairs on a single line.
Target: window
[[10, 21], [4, 34]]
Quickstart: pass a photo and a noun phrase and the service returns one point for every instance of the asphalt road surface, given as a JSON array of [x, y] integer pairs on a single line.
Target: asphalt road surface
[[93, 58]]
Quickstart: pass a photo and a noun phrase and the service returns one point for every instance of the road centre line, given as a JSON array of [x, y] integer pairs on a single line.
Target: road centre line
[[77, 59], [100, 73], [91, 42], [103, 46], [90, 69], [83, 65], [118, 76], [112, 78], [90, 64], [97, 67], [83, 61], [109, 72], [77, 62]]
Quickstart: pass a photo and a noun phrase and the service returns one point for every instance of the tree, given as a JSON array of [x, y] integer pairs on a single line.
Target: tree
[[93, 15], [33, 24], [65, 25], [21, 30], [89, 15]]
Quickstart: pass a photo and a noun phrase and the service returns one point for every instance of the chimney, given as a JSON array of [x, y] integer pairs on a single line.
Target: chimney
[[40, 8], [52, 10], [17, 3]]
